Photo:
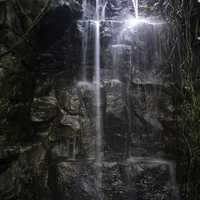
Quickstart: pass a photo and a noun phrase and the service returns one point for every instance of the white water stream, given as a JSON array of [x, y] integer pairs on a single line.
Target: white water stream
[[96, 20]]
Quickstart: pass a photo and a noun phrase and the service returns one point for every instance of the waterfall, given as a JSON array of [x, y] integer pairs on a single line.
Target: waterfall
[[99, 128], [98, 90], [121, 53], [84, 41], [93, 20], [135, 5]]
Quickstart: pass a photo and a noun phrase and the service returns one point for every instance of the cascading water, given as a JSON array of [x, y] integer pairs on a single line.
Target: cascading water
[[88, 21], [84, 40], [135, 5], [119, 47], [99, 129]]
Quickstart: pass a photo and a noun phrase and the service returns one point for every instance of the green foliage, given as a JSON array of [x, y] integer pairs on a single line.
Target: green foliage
[[188, 108]]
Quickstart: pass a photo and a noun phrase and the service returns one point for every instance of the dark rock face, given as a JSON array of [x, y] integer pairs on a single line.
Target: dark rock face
[[56, 22], [137, 113], [136, 179]]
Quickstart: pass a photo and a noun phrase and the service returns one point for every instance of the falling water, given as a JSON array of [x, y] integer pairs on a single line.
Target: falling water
[[135, 5], [99, 129], [117, 48], [88, 21], [84, 54], [98, 101], [84, 41], [117, 51], [103, 13]]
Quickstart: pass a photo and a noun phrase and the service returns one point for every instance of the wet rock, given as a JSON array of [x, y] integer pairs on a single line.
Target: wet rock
[[121, 9], [139, 178], [71, 121], [88, 118], [116, 121], [24, 174], [74, 5], [44, 109], [153, 121], [115, 99], [7, 157], [115, 185], [152, 178], [61, 151], [69, 100], [75, 181], [9, 151], [43, 87], [76, 119], [117, 58]]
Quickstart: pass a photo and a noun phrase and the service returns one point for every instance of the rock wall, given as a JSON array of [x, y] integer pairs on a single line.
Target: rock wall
[[57, 158]]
